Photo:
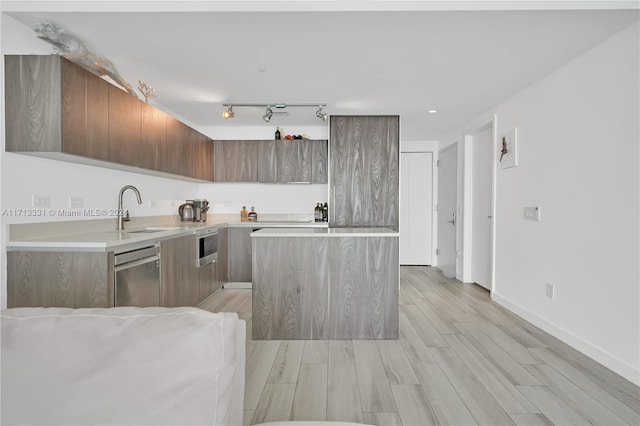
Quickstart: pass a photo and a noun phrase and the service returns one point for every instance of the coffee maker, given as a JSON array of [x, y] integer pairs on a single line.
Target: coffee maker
[[200, 208]]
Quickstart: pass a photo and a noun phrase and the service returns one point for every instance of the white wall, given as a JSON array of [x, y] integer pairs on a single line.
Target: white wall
[[578, 135]]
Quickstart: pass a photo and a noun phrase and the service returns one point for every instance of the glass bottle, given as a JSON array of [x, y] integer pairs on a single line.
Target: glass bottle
[[278, 135], [252, 216], [325, 213], [244, 214]]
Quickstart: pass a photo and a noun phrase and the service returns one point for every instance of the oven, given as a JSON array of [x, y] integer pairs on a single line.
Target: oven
[[206, 246]]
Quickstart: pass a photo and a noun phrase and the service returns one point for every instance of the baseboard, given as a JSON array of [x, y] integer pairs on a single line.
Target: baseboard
[[599, 355]]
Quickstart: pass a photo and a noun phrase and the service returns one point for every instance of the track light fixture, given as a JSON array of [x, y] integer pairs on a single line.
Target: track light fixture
[[229, 113], [321, 115], [268, 114]]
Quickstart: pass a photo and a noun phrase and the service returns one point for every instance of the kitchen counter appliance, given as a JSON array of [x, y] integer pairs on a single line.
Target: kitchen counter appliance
[[185, 211], [200, 208], [206, 246], [137, 277]]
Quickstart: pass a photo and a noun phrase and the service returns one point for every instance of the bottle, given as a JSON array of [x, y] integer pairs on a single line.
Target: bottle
[[244, 214], [317, 213], [278, 133], [325, 213], [252, 216]]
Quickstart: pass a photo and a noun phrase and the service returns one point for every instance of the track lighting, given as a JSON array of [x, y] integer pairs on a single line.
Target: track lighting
[[268, 114], [320, 114], [229, 113]]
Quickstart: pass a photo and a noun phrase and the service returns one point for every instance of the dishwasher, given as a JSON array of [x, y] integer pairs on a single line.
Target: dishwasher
[[137, 277]]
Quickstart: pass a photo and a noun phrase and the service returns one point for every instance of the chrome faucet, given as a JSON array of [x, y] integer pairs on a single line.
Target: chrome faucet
[[121, 217]]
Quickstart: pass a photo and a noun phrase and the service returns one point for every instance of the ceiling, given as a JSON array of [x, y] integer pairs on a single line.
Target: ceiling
[[404, 59]]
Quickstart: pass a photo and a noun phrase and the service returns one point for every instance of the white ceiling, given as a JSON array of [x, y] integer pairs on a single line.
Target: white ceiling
[[395, 58]]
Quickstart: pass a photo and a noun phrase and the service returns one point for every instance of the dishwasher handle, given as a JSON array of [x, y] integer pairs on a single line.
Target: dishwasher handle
[[134, 255], [135, 263]]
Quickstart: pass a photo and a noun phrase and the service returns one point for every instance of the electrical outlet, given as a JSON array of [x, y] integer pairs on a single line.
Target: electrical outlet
[[76, 202], [550, 291], [532, 213], [40, 201]]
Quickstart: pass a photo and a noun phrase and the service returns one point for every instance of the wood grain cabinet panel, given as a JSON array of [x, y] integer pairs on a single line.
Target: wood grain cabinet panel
[[59, 279], [235, 161], [239, 254], [290, 290], [199, 156], [364, 165], [320, 161], [178, 272], [125, 127], [175, 153], [32, 103], [208, 281], [85, 113], [292, 161], [153, 137], [325, 288]]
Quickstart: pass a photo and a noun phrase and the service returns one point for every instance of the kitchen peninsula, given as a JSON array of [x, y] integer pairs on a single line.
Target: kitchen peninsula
[[339, 283]]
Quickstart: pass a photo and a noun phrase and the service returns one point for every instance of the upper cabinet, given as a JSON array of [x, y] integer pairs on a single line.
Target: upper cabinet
[[271, 161], [364, 183], [235, 161], [55, 108]]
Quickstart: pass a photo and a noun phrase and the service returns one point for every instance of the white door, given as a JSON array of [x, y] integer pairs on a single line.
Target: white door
[[447, 218], [416, 206], [482, 215]]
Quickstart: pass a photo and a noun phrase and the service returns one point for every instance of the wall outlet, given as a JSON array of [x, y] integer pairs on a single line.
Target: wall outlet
[[76, 202], [550, 291], [532, 213], [40, 201]]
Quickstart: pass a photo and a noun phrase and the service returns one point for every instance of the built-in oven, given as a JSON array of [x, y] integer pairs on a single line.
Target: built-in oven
[[206, 246]]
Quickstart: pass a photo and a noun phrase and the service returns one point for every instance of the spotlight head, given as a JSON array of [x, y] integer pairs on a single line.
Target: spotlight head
[[320, 114], [228, 113], [268, 114]]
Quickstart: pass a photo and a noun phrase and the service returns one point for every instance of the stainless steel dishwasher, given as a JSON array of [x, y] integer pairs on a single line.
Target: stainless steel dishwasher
[[137, 277]]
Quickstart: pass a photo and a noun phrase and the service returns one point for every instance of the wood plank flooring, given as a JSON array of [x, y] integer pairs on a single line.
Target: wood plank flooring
[[460, 360]]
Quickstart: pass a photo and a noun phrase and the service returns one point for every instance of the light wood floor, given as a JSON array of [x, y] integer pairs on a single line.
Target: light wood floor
[[461, 359]]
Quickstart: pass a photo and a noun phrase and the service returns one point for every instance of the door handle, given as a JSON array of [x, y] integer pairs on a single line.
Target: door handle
[[453, 219]]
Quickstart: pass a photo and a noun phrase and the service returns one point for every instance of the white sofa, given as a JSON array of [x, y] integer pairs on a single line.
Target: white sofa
[[121, 366]]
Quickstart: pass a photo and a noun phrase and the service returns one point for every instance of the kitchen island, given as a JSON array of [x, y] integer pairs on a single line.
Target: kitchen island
[[337, 283]]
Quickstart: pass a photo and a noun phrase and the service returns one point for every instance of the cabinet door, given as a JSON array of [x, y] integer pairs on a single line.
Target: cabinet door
[[364, 170], [59, 279], [32, 103], [179, 275], [267, 161], [175, 152], [239, 269], [208, 281], [125, 112], [294, 161], [320, 161], [199, 156], [85, 113], [153, 137], [235, 161]]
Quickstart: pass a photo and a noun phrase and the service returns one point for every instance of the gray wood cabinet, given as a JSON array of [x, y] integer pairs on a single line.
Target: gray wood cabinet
[[178, 272], [59, 279], [325, 288], [364, 171], [235, 161], [320, 161], [57, 109], [239, 254], [285, 161], [208, 281]]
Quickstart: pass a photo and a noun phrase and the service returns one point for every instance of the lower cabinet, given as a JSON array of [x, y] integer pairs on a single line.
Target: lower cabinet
[[325, 288], [178, 272], [208, 280], [239, 254], [59, 279]]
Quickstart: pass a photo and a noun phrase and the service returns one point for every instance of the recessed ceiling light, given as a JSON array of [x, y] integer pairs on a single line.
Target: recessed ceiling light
[[432, 111]]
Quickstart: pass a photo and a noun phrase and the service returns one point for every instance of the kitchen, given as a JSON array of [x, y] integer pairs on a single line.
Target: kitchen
[[518, 274]]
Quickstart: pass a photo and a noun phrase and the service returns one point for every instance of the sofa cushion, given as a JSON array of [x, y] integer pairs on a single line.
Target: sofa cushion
[[119, 366]]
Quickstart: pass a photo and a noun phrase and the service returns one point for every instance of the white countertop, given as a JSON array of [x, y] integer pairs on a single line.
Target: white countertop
[[325, 232], [96, 235]]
